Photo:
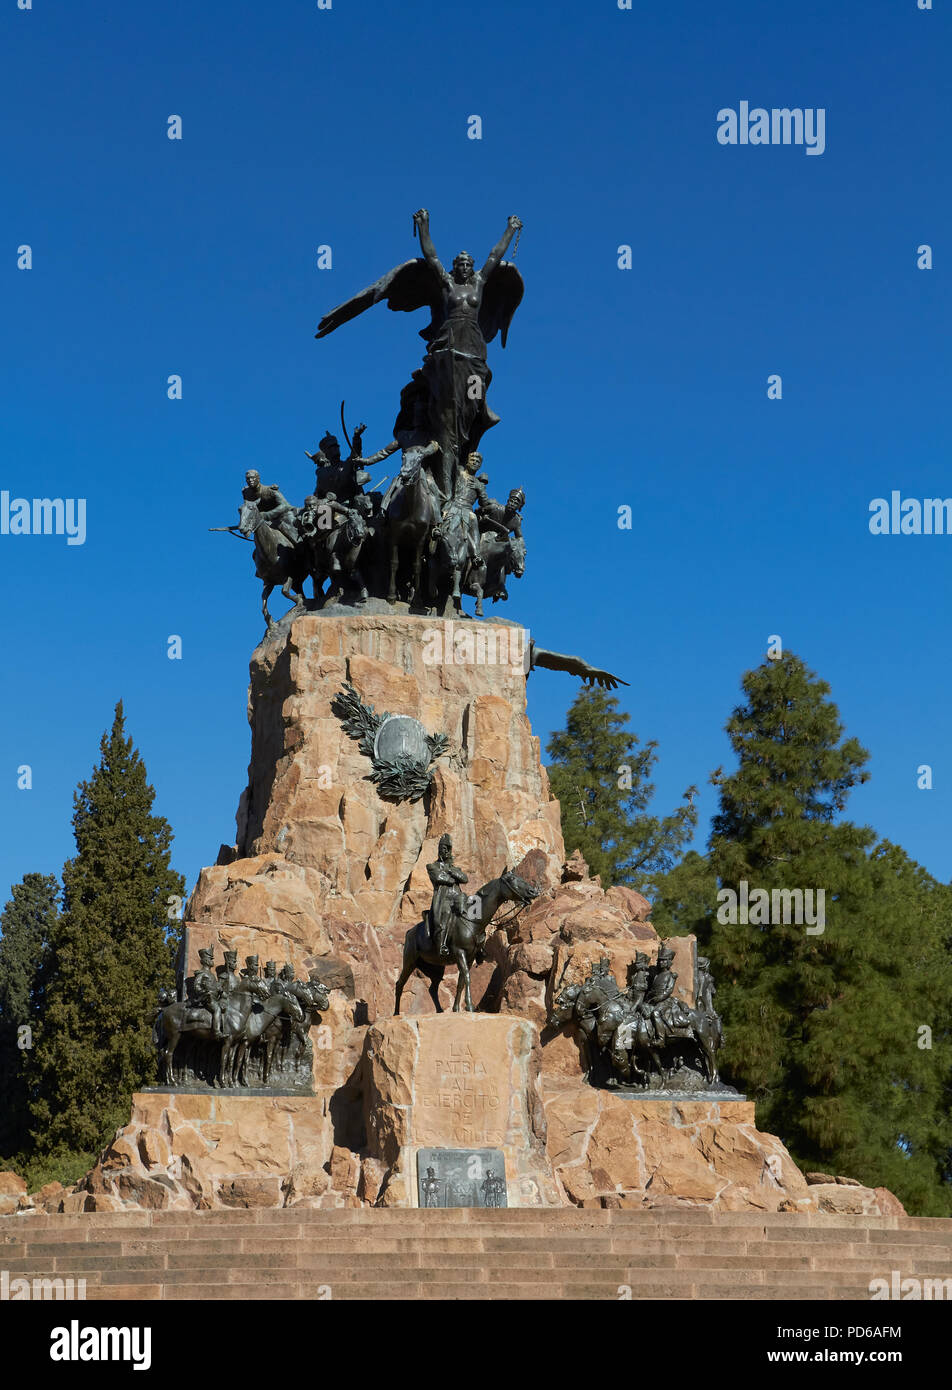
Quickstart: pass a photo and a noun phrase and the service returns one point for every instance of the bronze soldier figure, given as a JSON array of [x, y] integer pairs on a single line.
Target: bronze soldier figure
[[203, 990], [273, 506], [638, 973], [457, 534], [447, 898], [228, 980], [431, 1188], [662, 1011], [491, 1187], [344, 477]]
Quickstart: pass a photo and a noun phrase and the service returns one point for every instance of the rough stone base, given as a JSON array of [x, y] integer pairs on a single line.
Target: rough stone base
[[617, 1151], [456, 1081], [208, 1151]]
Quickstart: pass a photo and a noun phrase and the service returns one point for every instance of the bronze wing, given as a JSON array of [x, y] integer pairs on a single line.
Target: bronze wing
[[502, 295], [413, 285], [574, 665]]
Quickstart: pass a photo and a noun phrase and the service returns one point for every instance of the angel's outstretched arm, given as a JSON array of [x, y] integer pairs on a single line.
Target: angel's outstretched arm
[[499, 250], [422, 221]]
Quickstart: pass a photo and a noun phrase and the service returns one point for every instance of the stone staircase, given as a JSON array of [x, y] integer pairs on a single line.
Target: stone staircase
[[464, 1254]]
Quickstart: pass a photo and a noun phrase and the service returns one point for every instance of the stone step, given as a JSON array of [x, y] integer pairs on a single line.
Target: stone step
[[508, 1292], [475, 1270], [935, 1227], [93, 1228], [134, 1271], [465, 1255], [442, 1254]]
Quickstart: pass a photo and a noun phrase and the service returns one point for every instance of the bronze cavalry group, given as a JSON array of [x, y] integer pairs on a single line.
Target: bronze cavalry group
[[420, 541], [243, 1029], [643, 1036], [238, 1028], [410, 545]]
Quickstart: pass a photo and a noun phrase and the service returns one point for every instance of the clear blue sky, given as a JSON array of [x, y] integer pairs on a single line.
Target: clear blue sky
[[645, 387]]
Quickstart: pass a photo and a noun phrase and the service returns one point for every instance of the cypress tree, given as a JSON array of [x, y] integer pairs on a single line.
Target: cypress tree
[[601, 776], [109, 954], [27, 924]]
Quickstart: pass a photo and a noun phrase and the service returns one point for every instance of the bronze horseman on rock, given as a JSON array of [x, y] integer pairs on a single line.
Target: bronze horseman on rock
[[644, 1038], [453, 930]]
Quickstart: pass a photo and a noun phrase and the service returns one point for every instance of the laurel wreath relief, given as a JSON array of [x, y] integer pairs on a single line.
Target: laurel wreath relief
[[399, 779]]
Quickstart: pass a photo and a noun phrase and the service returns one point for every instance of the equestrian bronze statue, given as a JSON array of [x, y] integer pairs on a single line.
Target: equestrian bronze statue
[[643, 1037], [238, 1029], [454, 928]]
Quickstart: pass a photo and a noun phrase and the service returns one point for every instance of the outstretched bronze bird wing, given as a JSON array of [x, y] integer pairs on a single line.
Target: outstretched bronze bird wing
[[413, 285], [502, 295], [574, 665]]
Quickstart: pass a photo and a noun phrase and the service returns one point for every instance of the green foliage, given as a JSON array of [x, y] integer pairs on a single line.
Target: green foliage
[[27, 922], [109, 952], [66, 1166], [824, 1030], [684, 897], [600, 775]]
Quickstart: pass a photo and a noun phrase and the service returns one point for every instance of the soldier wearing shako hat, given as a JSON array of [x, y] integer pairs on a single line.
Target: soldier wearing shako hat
[[663, 1012], [228, 980], [503, 518], [203, 989]]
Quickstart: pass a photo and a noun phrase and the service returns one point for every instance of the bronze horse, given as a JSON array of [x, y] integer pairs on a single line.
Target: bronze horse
[[412, 512], [277, 561], [465, 938], [313, 998], [607, 1020], [500, 558], [239, 1027]]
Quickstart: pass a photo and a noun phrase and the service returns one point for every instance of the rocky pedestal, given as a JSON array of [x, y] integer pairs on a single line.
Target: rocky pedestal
[[309, 799], [456, 1081], [324, 868], [328, 876]]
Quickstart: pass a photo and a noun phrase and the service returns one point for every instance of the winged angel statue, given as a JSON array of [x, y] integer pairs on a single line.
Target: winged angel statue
[[446, 400]]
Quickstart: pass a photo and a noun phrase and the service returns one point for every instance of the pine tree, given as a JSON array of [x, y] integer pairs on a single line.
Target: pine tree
[[684, 897], [600, 775], [821, 1024], [109, 954], [876, 1060], [27, 923]]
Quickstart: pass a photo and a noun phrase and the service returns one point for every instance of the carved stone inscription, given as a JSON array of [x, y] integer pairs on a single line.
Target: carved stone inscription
[[465, 1095], [461, 1178]]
